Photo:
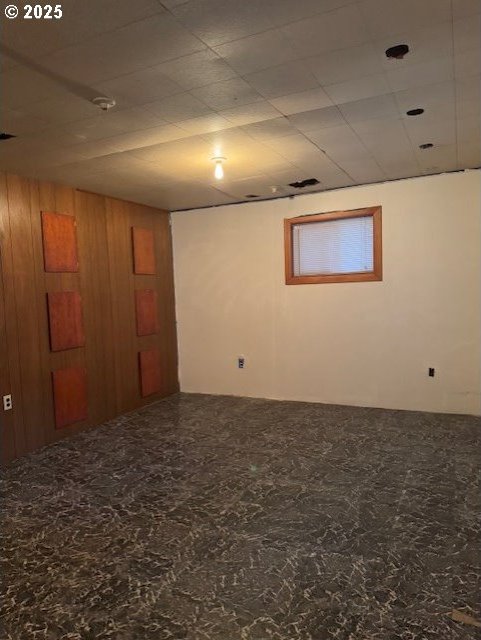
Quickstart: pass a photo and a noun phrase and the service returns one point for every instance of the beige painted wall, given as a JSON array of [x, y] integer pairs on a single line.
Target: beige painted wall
[[366, 344]]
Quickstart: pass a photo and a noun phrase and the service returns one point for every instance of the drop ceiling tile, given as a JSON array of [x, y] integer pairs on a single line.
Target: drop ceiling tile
[[291, 77], [353, 90], [395, 160], [363, 169], [197, 70], [141, 44], [434, 130], [467, 34], [386, 17], [80, 21], [383, 106], [168, 154], [269, 129], [94, 149], [303, 101], [316, 119], [384, 135], [330, 31], [465, 8], [469, 130], [469, 155], [426, 44], [338, 142], [239, 189], [468, 89], [438, 98], [443, 158], [106, 125], [23, 87], [467, 64], [145, 85], [219, 21], [249, 113], [254, 53], [16, 122], [333, 67], [63, 109], [227, 94], [190, 195], [303, 153], [182, 106], [145, 138], [127, 120], [419, 75], [205, 124], [338, 181], [467, 109]]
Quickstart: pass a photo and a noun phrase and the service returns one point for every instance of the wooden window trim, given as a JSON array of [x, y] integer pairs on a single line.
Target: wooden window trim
[[369, 276]]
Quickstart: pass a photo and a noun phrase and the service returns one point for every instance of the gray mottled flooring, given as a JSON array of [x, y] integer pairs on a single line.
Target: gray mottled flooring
[[219, 518]]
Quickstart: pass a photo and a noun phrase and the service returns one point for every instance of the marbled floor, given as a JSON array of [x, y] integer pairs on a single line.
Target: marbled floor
[[219, 518]]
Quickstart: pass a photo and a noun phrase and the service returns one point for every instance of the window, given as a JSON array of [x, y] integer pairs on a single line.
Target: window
[[341, 246]]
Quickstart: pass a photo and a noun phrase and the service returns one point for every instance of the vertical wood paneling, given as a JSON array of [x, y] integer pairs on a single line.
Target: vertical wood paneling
[[123, 316], [23, 268], [97, 299], [106, 283], [8, 419]]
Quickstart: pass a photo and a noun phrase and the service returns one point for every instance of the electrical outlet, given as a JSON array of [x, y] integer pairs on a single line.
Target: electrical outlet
[[7, 402], [241, 361]]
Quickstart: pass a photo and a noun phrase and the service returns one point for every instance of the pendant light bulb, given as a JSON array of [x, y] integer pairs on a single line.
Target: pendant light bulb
[[219, 169]]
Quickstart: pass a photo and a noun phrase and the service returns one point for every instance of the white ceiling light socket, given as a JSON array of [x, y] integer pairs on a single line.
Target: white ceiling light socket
[[219, 169], [104, 103]]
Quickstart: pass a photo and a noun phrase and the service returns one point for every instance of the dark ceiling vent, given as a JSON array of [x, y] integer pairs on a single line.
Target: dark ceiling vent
[[426, 145], [397, 52], [6, 136], [309, 182], [414, 112]]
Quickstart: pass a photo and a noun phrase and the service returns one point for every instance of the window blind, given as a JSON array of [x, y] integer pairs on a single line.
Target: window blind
[[334, 246]]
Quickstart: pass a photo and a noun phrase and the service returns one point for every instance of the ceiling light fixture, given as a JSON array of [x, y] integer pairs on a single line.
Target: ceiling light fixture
[[219, 169], [104, 102]]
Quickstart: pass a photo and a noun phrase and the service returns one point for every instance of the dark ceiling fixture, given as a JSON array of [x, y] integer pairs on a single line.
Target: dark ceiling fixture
[[415, 112], [426, 145], [251, 195], [6, 136], [309, 182], [397, 52]]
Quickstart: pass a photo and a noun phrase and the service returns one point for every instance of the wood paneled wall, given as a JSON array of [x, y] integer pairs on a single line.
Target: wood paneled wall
[[107, 285]]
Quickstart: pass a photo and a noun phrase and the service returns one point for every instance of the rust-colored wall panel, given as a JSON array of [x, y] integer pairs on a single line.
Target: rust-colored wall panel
[[146, 312], [143, 250], [106, 284], [65, 320], [59, 242], [149, 367], [70, 395]]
